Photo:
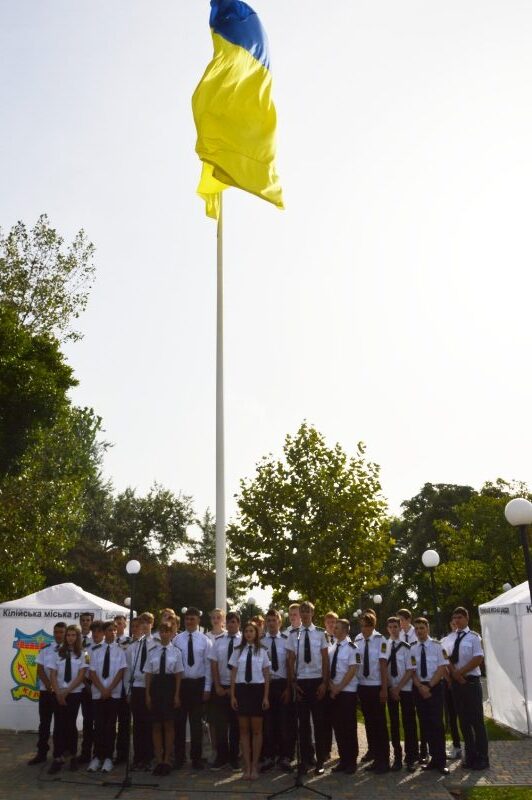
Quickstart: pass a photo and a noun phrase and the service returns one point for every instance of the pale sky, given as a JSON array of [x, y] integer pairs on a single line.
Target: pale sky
[[389, 303]]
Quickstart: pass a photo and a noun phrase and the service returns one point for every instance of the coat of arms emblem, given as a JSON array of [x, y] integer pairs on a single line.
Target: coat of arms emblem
[[24, 664]]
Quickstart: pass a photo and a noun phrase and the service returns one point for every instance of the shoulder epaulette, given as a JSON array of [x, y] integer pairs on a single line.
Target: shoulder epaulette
[[152, 648], [219, 635], [284, 636], [318, 628], [294, 630], [475, 634], [376, 634], [353, 645], [96, 646]]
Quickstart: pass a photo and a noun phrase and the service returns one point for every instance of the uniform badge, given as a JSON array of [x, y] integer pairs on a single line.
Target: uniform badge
[[87, 658], [413, 660], [383, 647], [444, 651], [358, 658]]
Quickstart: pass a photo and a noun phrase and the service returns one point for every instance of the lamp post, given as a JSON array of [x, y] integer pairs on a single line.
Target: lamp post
[[506, 587], [132, 569], [431, 559], [250, 602], [518, 512]]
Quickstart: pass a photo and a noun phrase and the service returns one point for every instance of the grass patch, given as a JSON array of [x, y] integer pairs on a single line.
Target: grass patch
[[497, 793], [496, 733]]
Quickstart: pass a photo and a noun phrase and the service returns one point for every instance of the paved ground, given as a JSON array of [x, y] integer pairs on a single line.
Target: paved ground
[[511, 765]]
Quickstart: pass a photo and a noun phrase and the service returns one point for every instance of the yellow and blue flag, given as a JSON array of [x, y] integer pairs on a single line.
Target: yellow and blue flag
[[233, 110]]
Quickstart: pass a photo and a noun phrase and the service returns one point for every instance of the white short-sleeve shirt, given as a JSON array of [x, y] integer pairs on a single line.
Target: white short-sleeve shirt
[[201, 646], [434, 657], [402, 657], [219, 651], [281, 645], [259, 660], [134, 660], [346, 658], [47, 658], [377, 652], [117, 661], [77, 664], [318, 643], [470, 647], [173, 662]]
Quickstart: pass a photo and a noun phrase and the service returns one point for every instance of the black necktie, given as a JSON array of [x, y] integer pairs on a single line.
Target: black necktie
[[455, 655], [85, 641], [249, 672], [68, 668], [423, 662], [143, 654], [308, 657], [106, 662], [393, 662], [275, 660], [230, 649], [335, 659], [365, 671], [190, 658], [406, 638], [162, 663]]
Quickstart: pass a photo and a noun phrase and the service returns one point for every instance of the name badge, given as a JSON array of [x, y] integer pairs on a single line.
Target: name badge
[[383, 647], [413, 660], [358, 658]]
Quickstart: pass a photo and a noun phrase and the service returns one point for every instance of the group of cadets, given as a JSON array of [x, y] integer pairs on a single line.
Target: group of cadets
[[259, 689]]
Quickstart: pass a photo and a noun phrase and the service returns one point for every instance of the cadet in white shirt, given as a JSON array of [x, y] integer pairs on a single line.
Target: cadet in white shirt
[[408, 635], [373, 692], [294, 618], [107, 669], [308, 665], [85, 620], [400, 696], [250, 678], [164, 670], [343, 685], [45, 661], [450, 713], [123, 640], [465, 655], [430, 667], [224, 718], [67, 677], [279, 731], [136, 657], [195, 688]]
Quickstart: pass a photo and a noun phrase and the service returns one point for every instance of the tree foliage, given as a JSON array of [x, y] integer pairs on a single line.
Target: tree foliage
[[43, 280], [314, 522]]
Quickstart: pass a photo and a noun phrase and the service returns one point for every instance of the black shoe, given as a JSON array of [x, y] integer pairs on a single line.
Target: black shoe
[[285, 765], [380, 769], [429, 766], [367, 757], [338, 768], [443, 770], [157, 770], [350, 770], [219, 763], [396, 766], [74, 764], [320, 769], [38, 759], [84, 759], [411, 767], [423, 760], [56, 766], [198, 764]]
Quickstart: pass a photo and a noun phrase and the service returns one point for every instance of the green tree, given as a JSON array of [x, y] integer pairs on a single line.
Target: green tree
[[314, 522], [34, 381], [44, 281], [485, 551], [43, 502]]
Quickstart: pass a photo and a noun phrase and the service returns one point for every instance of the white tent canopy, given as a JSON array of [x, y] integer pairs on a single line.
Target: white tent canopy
[[506, 623], [26, 625]]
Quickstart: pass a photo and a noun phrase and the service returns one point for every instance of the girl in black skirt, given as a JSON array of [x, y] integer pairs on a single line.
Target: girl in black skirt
[[163, 670], [250, 683], [67, 682]]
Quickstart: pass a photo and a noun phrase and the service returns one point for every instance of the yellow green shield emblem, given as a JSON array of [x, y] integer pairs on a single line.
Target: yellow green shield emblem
[[24, 665]]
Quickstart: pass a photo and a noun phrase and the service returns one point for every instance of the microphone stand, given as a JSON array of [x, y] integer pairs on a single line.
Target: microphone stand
[[127, 783], [298, 780]]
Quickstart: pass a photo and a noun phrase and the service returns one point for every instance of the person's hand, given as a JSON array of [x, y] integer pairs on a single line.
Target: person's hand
[[286, 696], [322, 688], [394, 693], [424, 692], [177, 701], [383, 695], [458, 677], [234, 704], [265, 704], [61, 698], [220, 691], [299, 693]]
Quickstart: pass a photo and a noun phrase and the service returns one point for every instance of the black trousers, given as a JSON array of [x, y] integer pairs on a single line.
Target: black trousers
[[277, 741], [105, 716], [142, 739], [124, 727], [408, 715], [87, 712], [46, 712], [376, 728], [343, 711], [327, 725], [191, 696], [65, 730], [468, 703], [226, 728], [451, 717], [309, 705], [430, 712]]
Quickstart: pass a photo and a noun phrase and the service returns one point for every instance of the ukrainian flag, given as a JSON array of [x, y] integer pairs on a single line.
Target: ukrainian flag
[[233, 110]]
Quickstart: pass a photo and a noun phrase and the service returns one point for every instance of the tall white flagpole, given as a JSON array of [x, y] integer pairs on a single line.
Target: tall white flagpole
[[221, 587]]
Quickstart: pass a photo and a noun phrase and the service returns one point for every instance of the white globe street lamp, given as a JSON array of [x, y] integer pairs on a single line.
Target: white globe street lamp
[[518, 512], [431, 559], [506, 587], [127, 602], [377, 599]]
